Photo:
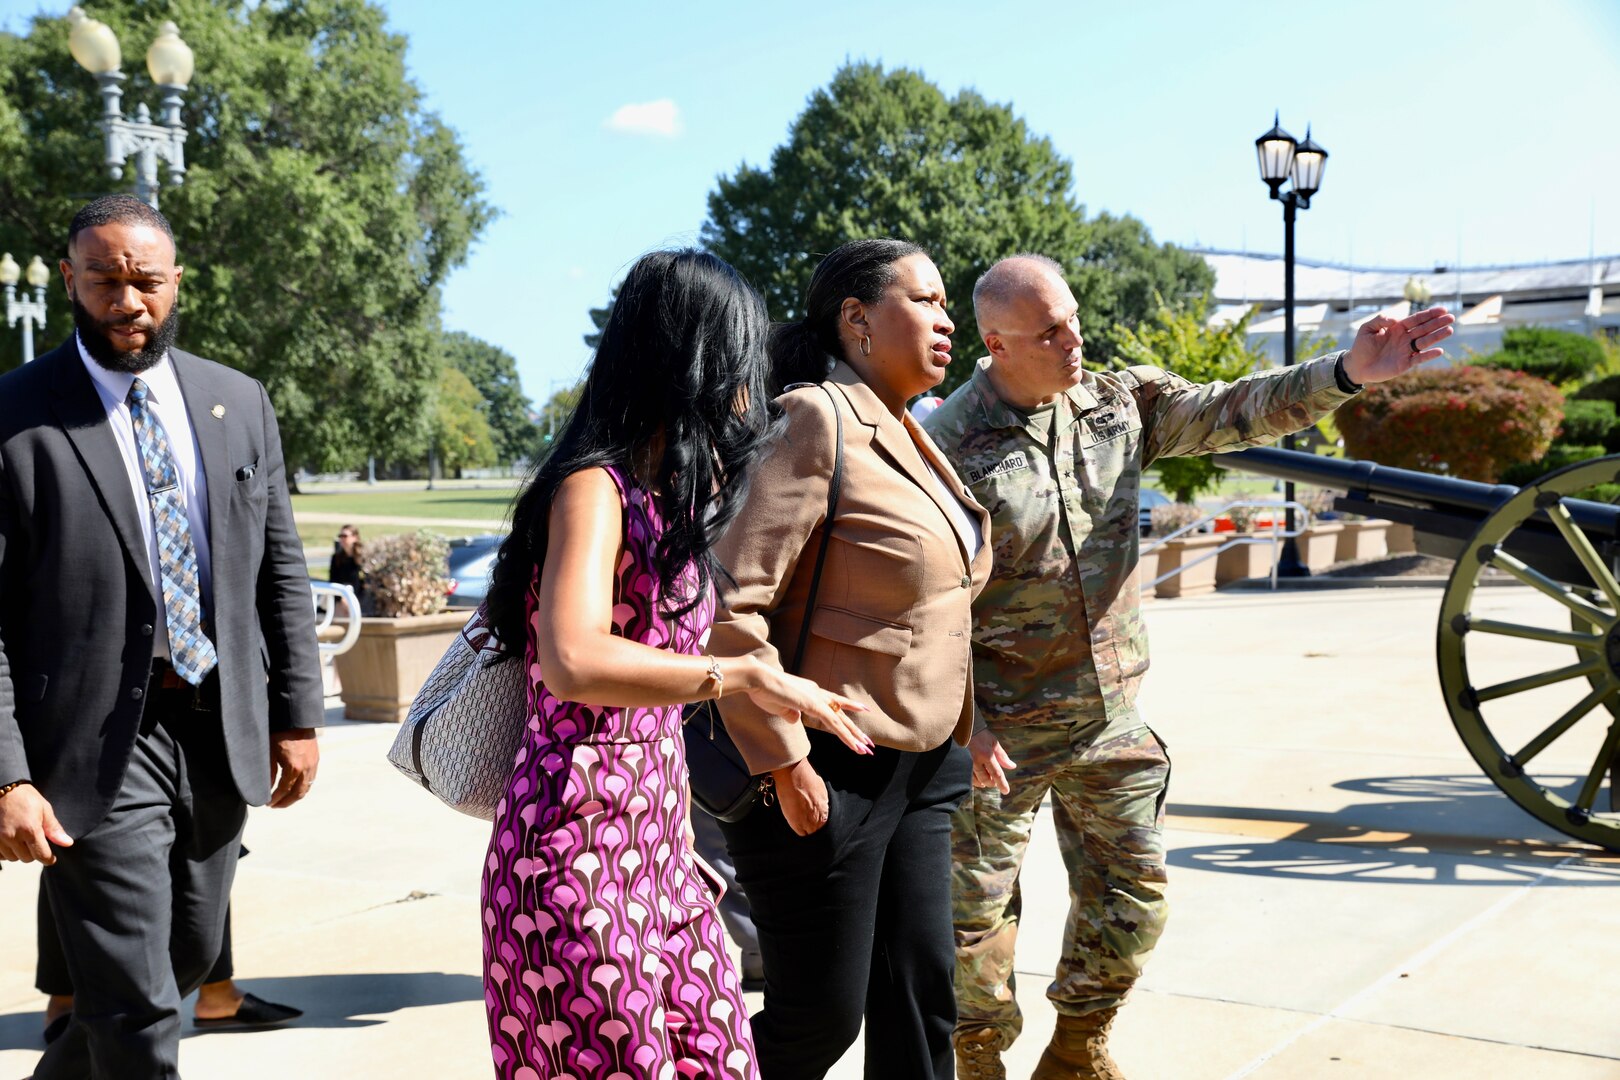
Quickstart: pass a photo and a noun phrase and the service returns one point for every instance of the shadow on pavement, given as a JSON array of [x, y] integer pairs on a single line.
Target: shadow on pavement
[[328, 1001], [1453, 830]]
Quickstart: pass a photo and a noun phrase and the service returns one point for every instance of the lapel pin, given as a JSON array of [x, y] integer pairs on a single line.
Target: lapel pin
[[219, 412]]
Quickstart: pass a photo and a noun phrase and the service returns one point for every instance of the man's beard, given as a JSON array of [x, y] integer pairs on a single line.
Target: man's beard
[[93, 332]]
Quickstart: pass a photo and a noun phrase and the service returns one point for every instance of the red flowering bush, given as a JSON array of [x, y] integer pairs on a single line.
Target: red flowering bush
[[1468, 422]]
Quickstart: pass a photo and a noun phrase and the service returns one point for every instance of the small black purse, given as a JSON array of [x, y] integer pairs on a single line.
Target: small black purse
[[722, 786]]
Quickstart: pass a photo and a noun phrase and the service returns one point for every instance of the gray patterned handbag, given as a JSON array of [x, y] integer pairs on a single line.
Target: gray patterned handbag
[[460, 738]]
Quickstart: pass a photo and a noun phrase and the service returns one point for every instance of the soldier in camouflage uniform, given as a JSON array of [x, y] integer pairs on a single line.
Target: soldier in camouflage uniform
[[1056, 453]]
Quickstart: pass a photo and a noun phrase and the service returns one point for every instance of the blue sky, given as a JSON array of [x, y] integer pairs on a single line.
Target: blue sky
[[1489, 126]]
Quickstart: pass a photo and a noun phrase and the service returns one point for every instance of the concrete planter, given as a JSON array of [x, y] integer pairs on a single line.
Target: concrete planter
[[391, 660], [1244, 561], [1363, 540], [1399, 540], [1184, 552], [1147, 568], [1318, 545]]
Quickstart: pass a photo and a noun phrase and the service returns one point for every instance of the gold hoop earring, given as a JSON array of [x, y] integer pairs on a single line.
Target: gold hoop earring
[[866, 344]]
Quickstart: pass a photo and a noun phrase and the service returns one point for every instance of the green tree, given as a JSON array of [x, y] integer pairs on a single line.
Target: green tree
[[556, 411], [599, 318], [887, 153], [493, 371], [462, 436], [1183, 342], [322, 208]]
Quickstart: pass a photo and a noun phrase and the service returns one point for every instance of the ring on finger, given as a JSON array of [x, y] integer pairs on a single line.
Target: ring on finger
[[1414, 344]]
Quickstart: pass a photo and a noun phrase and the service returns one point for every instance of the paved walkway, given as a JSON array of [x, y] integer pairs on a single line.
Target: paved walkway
[[1351, 899]]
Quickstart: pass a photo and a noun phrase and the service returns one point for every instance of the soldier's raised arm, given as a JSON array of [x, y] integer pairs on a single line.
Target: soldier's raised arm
[[1182, 418]]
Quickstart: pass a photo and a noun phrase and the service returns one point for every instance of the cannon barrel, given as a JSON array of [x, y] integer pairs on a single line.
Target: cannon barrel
[[1444, 512]]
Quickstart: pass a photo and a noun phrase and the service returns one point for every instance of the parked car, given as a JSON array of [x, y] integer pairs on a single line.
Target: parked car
[[472, 558], [1146, 500]]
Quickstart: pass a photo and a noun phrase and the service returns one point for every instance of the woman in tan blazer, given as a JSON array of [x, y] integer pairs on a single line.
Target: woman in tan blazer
[[848, 869]]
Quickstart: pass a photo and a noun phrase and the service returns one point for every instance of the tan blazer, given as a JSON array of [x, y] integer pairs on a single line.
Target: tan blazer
[[893, 621]]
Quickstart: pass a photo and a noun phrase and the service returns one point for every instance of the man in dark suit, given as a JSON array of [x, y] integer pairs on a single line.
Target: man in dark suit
[[158, 664]]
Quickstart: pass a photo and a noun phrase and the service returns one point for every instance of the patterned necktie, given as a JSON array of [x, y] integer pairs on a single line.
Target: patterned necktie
[[191, 653]]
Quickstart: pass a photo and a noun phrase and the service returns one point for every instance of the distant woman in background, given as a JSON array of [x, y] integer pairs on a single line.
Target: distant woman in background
[[603, 954], [345, 568]]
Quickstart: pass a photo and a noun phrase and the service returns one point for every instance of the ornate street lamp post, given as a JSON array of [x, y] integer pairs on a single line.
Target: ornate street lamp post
[[31, 313], [1417, 292], [1285, 160], [170, 63]]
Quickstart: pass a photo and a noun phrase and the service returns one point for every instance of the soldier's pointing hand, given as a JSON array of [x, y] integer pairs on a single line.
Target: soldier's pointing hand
[[1386, 348]]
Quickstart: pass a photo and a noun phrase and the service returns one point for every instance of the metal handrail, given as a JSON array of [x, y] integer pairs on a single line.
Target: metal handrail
[[1273, 536], [326, 597]]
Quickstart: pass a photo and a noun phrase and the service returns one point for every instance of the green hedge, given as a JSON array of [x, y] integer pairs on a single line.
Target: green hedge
[[1587, 422], [1557, 456], [1558, 356]]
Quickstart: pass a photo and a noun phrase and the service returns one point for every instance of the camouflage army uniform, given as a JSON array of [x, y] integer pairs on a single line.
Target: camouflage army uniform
[[1060, 648]]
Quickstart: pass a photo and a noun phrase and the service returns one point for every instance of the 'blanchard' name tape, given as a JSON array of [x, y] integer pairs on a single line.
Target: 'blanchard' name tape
[[1010, 464]]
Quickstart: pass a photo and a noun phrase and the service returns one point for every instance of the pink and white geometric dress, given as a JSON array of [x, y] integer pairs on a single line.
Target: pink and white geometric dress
[[603, 954]]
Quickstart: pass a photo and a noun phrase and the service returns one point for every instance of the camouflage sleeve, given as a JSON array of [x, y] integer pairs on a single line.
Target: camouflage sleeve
[[1182, 418]]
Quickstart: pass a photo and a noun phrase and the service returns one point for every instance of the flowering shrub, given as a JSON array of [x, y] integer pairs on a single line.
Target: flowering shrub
[[1469, 422], [405, 574], [1172, 516], [1243, 517]]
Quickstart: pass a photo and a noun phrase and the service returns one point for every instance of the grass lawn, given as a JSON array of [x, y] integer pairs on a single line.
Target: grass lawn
[[448, 503], [319, 537]]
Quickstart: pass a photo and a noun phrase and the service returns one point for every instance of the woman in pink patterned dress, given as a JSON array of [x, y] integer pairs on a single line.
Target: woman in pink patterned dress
[[603, 953]]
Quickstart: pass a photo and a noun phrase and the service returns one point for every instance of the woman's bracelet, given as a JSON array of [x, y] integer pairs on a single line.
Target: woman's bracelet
[[13, 786], [716, 676]]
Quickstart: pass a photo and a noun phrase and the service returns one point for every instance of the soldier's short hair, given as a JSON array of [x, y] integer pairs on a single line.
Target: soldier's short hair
[[997, 285]]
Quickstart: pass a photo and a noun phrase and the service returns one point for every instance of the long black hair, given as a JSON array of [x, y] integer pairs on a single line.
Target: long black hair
[[677, 397], [860, 268]]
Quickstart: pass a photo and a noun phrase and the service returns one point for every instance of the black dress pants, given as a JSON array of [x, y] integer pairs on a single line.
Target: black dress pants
[[140, 899], [855, 919]]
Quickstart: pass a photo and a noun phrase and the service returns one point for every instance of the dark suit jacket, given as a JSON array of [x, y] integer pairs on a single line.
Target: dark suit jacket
[[891, 626], [78, 610]]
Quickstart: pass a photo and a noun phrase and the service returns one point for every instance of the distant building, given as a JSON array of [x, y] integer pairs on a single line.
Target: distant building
[[1332, 300]]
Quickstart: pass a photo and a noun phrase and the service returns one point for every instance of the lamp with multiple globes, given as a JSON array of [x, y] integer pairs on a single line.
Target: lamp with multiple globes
[[29, 312], [170, 63], [1284, 160]]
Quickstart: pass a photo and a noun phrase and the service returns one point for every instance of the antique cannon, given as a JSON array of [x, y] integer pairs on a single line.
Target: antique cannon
[[1565, 548]]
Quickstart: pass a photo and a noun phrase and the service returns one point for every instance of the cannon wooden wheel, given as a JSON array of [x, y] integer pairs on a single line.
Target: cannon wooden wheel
[[1489, 712]]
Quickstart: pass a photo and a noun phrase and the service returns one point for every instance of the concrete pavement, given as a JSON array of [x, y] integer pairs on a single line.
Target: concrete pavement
[[1350, 898]]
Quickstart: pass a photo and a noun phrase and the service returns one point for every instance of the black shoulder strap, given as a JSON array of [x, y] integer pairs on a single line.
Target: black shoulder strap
[[833, 488]]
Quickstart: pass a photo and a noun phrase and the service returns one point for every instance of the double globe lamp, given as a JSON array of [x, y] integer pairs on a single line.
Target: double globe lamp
[[1286, 160], [170, 63]]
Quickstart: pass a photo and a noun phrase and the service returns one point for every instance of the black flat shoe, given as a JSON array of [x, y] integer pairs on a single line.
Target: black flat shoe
[[253, 1014], [54, 1029]]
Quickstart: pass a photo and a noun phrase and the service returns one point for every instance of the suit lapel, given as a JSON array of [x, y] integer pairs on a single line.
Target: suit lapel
[[201, 399], [948, 477], [79, 410], [895, 443]]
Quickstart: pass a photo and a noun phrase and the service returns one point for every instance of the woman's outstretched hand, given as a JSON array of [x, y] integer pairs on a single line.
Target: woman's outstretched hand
[[802, 701]]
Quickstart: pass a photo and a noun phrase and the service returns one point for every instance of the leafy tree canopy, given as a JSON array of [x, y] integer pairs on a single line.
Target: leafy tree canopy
[[493, 371], [461, 433], [322, 208], [887, 153], [1182, 341]]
